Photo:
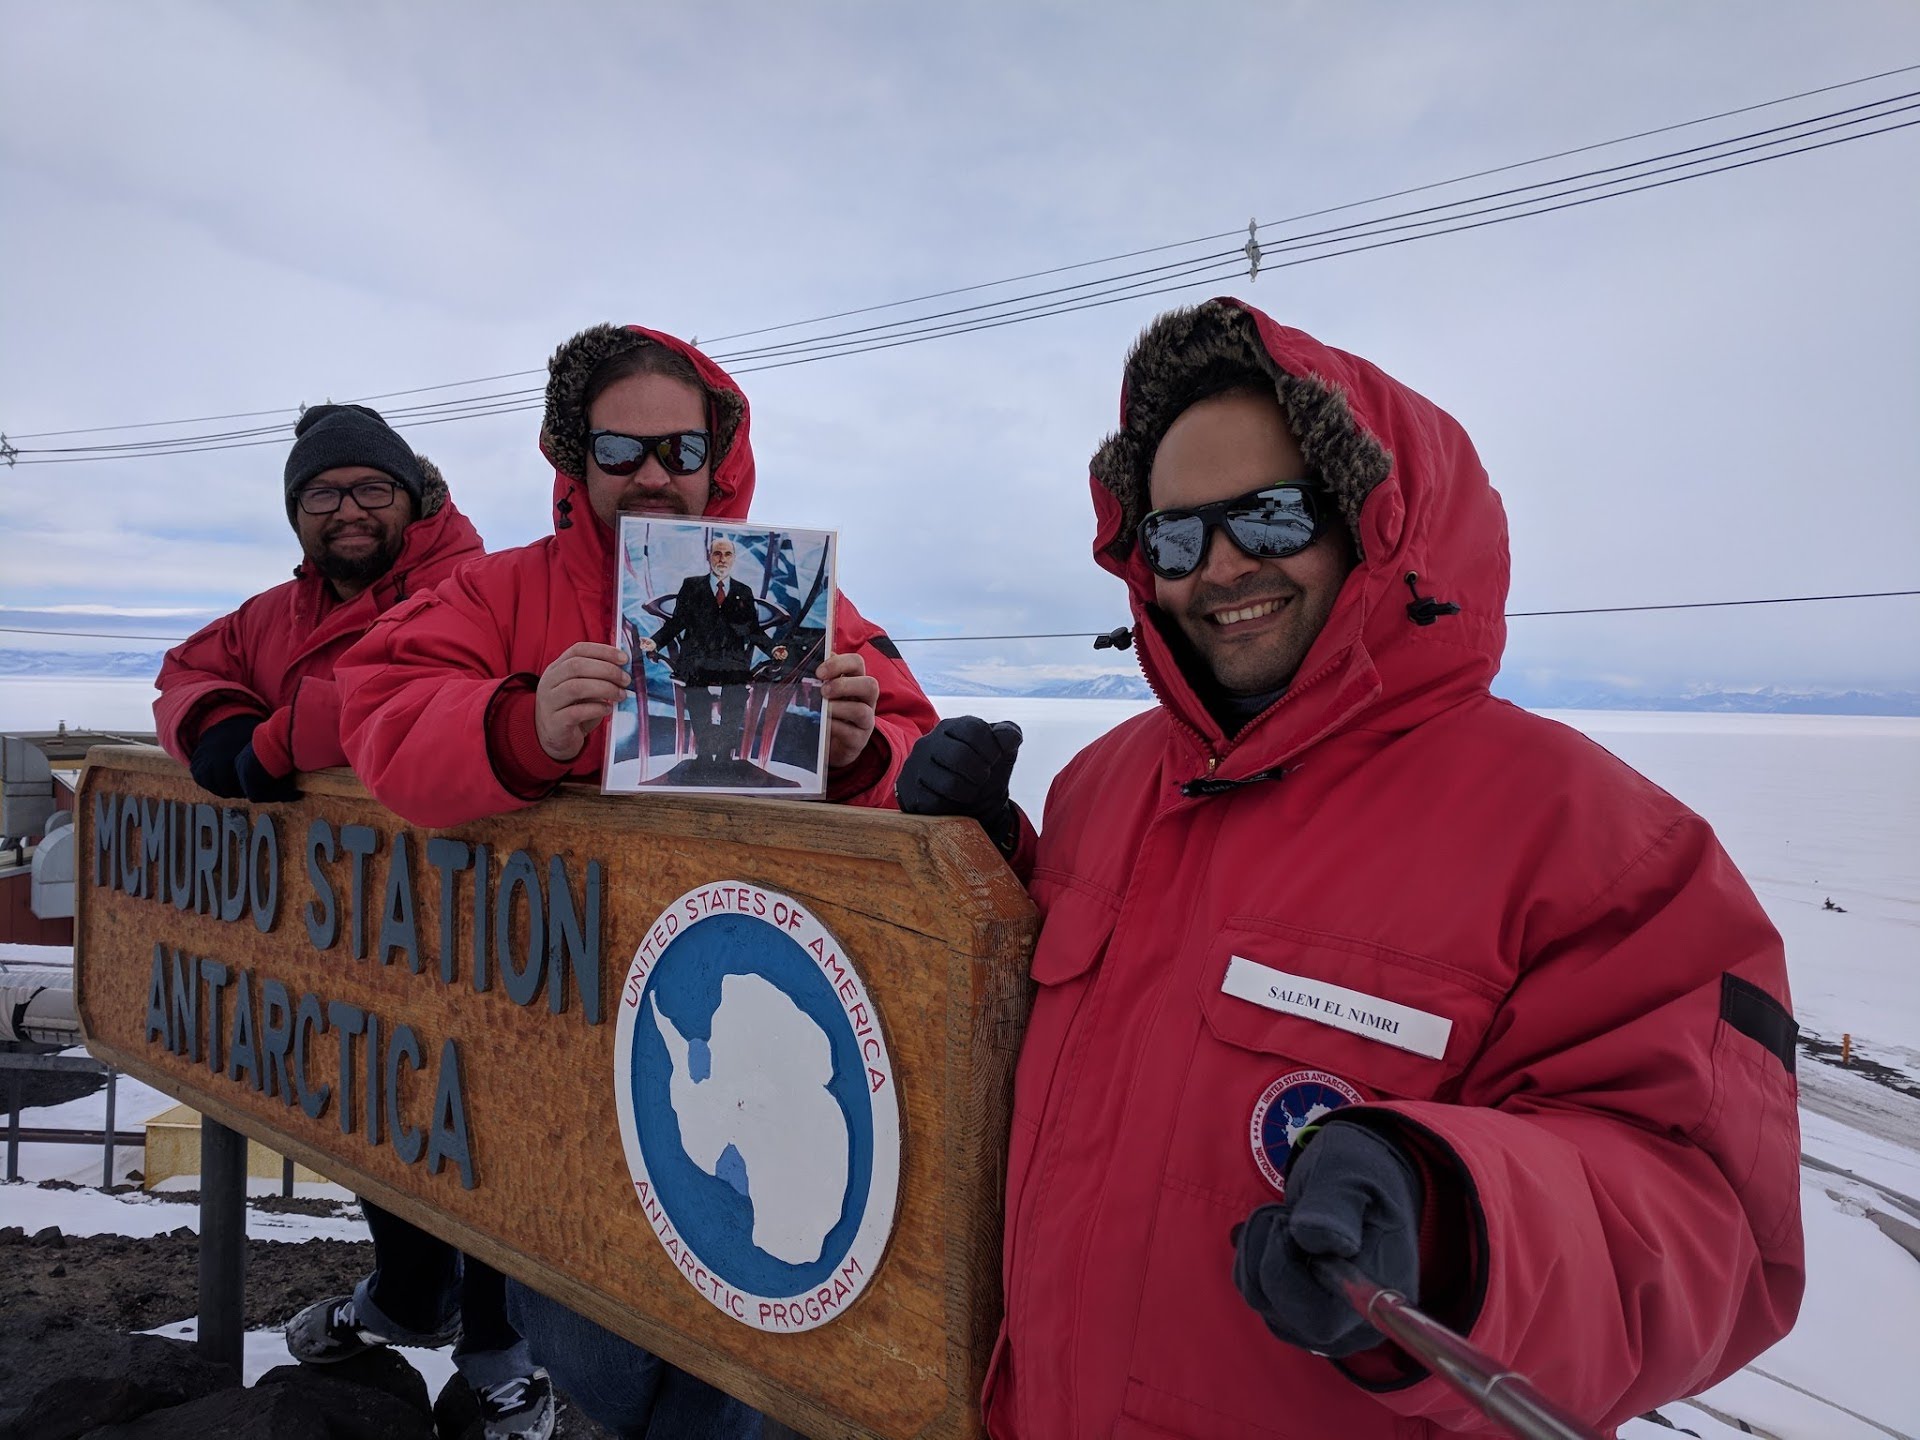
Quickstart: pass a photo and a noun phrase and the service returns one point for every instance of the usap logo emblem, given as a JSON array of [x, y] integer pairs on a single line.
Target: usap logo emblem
[[1287, 1107], [757, 1106]]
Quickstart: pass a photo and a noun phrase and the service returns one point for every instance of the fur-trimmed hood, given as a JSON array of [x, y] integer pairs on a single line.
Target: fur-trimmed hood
[[563, 430], [433, 494], [1190, 353], [1425, 522], [588, 544]]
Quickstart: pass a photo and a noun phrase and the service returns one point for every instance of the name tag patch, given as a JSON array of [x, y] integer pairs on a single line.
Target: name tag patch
[[1355, 1011]]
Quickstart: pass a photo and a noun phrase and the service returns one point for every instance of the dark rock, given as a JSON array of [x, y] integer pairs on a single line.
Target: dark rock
[[64, 1379], [232, 1415], [379, 1369], [296, 1402], [50, 1237], [456, 1413], [58, 1272]]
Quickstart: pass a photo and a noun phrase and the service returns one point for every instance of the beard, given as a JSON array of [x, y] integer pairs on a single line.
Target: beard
[[358, 570]]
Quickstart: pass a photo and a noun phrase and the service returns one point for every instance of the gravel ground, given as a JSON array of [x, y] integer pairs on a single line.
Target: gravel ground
[[123, 1282]]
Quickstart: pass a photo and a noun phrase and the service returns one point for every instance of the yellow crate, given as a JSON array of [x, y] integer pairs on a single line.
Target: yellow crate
[[173, 1150]]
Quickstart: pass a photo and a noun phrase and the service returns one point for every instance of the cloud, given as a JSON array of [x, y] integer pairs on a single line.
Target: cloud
[[1698, 393]]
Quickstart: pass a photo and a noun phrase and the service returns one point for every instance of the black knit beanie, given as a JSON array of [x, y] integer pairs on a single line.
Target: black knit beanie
[[329, 436]]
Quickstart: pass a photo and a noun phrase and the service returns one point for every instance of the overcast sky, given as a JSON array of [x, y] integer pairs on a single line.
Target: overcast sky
[[1701, 392]]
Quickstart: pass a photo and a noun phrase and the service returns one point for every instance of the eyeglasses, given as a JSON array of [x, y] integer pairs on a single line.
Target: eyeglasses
[[680, 453], [1267, 524], [367, 494]]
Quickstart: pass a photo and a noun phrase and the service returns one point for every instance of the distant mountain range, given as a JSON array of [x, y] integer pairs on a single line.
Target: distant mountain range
[[1772, 700], [83, 665], [1129, 685]]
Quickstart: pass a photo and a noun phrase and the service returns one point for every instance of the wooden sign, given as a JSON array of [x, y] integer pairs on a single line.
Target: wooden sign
[[730, 1077]]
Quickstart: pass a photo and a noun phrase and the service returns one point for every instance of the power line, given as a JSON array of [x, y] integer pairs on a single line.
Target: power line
[[1200, 273], [1712, 604], [1095, 634], [1217, 264], [1055, 270]]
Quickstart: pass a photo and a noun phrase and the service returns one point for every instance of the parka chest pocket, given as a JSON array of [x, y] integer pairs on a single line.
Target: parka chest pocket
[[1073, 941], [1295, 1023]]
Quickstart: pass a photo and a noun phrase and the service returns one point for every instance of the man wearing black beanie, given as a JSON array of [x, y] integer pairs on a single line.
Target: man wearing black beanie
[[250, 700]]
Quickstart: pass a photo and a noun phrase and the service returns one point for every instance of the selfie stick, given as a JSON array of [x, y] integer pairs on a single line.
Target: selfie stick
[[1509, 1400]]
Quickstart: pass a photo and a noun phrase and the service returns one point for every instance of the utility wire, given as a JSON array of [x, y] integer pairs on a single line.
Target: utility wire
[[1196, 274], [1132, 254], [1217, 264], [1095, 634]]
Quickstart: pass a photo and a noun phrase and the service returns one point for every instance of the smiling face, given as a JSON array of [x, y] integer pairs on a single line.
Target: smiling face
[[353, 546], [647, 404], [1250, 622]]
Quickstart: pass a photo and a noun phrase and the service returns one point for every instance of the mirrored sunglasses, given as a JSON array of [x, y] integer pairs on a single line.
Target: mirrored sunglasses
[[1268, 524], [681, 453]]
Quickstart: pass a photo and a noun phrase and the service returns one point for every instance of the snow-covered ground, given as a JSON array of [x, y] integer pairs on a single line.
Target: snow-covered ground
[[1812, 808]]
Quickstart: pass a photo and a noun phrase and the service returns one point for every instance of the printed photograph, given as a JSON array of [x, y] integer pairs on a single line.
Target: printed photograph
[[724, 625]]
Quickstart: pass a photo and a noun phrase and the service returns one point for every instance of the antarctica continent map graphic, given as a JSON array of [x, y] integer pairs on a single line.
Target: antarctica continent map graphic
[[758, 1106]]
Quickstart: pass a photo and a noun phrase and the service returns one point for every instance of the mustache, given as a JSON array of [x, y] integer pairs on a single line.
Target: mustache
[[1234, 597], [652, 502]]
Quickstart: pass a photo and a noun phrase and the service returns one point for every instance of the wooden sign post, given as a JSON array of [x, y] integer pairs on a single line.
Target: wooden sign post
[[730, 1077]]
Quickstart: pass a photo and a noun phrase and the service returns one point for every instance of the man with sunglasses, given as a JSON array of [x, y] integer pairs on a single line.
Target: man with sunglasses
[[484, 696], [716, 625], [1342, 958]]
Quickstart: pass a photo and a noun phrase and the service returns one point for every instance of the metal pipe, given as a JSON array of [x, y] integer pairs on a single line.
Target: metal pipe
[[1506, 1398], [223, 1242], [106, 1148], [13, 1127]]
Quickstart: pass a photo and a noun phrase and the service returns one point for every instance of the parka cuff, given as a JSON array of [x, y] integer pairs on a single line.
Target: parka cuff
[[1453, 1245], [524, 769], [866, 771], [218, 709], [273, 742]]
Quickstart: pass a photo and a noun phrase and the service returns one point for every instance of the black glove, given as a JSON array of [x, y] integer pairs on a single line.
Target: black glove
[[962, 767], [1351, 1193], [258, 783], [220, 746]]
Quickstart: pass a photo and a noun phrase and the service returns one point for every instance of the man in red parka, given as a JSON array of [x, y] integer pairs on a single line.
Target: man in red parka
[[250, 699], [483, 696], [1344, 957]]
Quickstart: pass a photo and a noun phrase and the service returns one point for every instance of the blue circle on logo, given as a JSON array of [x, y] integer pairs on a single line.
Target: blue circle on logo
[[713, 1212], [1287, 1107]]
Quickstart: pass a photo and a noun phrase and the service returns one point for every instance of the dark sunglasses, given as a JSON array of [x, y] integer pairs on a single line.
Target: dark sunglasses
[[1267, 524], [367, 494], [680, 453]]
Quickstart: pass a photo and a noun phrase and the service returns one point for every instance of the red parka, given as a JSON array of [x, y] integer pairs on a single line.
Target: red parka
[[423, 690], [275, 655], [1608, 1127]]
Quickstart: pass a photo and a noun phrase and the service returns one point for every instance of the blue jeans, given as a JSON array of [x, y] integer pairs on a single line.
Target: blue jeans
[[628, 1391], [418, 1281]]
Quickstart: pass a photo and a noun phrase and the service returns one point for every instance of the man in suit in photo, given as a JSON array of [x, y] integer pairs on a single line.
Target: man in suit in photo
[[717, 622]]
